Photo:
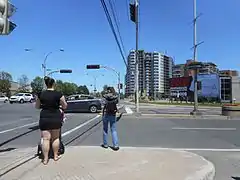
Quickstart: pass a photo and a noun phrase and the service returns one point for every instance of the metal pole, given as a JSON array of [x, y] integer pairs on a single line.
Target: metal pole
[[195, 58], [95, 86], [119, 89], [137, 62]]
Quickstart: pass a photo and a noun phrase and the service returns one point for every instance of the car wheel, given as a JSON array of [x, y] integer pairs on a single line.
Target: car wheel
[[5, 101], [11, 102], [93, 109], [21, 101], [31, 101]]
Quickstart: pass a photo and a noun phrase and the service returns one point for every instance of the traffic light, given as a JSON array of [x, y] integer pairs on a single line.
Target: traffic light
[[133, 12], [93, 66], [65, 71], [120, 86], [199, 85], [6, 11]]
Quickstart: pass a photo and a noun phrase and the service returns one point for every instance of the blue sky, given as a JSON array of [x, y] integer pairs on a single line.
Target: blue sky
[[81, 29]]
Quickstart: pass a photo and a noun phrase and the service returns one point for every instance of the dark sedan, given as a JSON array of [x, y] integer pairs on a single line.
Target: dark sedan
[[80, 103]]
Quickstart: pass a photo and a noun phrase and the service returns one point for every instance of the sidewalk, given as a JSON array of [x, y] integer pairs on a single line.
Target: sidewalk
[[88, 163]]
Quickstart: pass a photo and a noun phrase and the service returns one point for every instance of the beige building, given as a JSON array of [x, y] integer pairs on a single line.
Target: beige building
[[15, 87]]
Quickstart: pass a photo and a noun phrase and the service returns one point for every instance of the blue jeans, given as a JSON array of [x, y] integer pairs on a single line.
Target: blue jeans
[[110, 119]]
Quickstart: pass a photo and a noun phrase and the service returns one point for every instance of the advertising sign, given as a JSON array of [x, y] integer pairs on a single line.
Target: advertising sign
[[184, 86]]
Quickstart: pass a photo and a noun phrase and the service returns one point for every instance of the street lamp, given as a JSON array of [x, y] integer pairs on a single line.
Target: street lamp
[[97, 66], [44, 65], [95, 82]]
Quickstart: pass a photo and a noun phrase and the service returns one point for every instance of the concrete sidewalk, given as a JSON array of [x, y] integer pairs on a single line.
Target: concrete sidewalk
[[90, 163]]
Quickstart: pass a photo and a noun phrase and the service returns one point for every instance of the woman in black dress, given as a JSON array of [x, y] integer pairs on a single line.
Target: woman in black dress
[[50, 118]]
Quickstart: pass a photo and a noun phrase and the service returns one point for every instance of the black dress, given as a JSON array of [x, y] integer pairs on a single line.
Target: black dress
[[50, 115]]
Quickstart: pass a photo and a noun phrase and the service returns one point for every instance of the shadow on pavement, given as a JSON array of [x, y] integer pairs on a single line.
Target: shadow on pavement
[[34, 128], [6, 150], [236, 178]]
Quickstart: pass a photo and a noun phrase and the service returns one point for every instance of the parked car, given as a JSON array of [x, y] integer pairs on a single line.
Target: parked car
[[83, 103], [3, 98], [21, 98]]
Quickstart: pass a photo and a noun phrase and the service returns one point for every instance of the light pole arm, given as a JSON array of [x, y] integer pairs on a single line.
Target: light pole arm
[[52, 72]]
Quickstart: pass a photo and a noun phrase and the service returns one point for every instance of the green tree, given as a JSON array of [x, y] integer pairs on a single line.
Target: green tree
[[37, 85], [23, 83], [82, 90], [5, 82], [59, 85], [104, 90], [69, 88]]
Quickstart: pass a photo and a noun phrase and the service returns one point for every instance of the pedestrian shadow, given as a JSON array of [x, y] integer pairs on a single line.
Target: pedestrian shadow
[[235, 178], [7, 150], [34, 128], [119, 117]]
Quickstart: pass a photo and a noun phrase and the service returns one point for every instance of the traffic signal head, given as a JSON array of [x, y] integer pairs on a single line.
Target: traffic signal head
[[93, 66], [133, 12], [65, 71], [6, 11]]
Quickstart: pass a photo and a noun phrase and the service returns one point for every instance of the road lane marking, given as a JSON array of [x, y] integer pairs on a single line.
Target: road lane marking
[[211, 129], [19, 127], [14, 122], [173, 149], [128, 110], [80, 126]]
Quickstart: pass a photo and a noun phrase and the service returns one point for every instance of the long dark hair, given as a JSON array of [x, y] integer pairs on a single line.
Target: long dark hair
[[49, 81]]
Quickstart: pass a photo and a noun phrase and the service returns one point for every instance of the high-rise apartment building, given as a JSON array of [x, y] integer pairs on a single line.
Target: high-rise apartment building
[[155, 71]]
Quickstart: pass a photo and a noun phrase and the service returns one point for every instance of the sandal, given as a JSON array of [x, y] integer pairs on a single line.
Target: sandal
[[45, 162], [56, 159]]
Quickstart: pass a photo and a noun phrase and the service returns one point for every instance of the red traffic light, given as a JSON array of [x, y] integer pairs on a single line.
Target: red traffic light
[[93, 66], [65, 71]]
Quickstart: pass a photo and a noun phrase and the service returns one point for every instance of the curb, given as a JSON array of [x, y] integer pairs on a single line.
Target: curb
[[28, 154], [208, 172], [180, 116]]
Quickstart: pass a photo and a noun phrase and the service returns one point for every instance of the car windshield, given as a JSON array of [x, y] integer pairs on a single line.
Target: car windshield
[[19, 95]]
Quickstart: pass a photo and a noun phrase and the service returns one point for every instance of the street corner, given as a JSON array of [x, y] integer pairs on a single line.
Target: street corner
[[140, 163]]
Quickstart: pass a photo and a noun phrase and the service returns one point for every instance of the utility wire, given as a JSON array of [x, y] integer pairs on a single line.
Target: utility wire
[[117, 22], [113, 30]]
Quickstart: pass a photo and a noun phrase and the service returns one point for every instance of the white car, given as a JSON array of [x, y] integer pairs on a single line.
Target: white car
[[3, 98], [21, 98]]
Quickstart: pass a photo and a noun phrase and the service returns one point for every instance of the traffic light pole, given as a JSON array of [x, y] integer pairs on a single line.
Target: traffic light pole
[[137, 60], [195, 110]]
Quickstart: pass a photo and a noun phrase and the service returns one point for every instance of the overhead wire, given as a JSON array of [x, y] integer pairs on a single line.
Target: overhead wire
[[113, 30], [117, 22]]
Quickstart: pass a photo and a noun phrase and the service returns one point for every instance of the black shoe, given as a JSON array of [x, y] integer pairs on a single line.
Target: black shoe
[[115, 148], [104, 146]]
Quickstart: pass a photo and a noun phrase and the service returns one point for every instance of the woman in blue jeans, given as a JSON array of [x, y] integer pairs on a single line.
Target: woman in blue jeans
[[109, 117]]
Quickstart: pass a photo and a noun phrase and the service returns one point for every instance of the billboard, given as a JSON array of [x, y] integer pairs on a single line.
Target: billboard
[[184, 86]]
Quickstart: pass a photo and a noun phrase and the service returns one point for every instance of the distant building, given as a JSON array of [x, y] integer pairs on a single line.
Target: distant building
[[15, 87], [155, 71], [228, 73], [178, 70]]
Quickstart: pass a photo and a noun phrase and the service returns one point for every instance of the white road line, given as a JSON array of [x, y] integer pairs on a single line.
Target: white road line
[[14, 122], [19, 127], [80, 126], [128, 110], [214, 129], [174, 149]]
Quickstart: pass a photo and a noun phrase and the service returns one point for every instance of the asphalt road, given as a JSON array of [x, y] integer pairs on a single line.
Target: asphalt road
[[214, 139]]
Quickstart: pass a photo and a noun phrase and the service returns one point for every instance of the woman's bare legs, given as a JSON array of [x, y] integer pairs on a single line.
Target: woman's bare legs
[[46, 135], [55, 142]]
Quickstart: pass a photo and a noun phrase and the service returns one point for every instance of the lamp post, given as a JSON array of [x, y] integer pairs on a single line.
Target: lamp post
[[95, 82], [44, 65]]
